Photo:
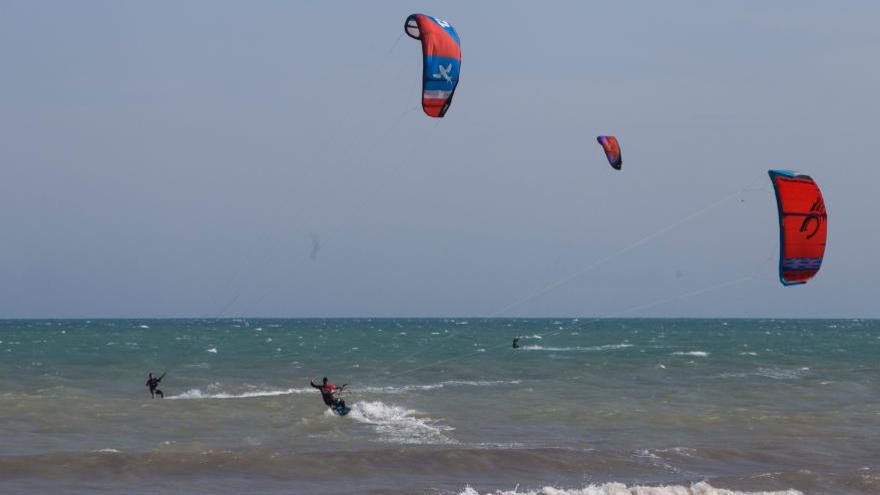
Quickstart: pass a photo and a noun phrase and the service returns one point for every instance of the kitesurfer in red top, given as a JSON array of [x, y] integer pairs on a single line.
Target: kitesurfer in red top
[[328, 392]]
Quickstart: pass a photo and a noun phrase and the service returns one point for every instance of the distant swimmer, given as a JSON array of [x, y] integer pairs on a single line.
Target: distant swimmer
[[329, 393], [516, 343], [153, 383]]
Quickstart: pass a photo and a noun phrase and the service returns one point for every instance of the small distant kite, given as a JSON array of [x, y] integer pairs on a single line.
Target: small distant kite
[[803, 226], [612, 150], [441, 52]]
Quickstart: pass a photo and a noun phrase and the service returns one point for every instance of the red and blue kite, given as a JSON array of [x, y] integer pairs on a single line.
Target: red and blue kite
[[441, 50], [803, 226], [612, 150]]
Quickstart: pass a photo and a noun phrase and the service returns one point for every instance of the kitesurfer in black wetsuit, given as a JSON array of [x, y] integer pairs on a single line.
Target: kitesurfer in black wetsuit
[[328, 393], [153, 383], [516, 342]]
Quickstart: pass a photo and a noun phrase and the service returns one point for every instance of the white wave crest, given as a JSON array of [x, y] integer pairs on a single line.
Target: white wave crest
[[701, 488], [212, 350], [782, 374], [195, 393], [433, 386], [400, 425], [608, 347], [691, 353]]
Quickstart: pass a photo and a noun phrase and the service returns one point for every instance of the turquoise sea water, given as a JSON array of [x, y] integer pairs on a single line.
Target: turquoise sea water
[[441, 406]]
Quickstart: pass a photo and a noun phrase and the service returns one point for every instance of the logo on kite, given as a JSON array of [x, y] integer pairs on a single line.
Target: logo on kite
[[803, 226], [815, 217], [441, 61], [444, 73], [612, 151]]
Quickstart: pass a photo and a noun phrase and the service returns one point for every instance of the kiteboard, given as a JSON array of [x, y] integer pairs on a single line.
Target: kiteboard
[[340, 409]]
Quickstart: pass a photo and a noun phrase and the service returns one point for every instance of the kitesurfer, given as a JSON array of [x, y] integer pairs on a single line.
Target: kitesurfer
[[328, 393], [153, 383], [516, 342]]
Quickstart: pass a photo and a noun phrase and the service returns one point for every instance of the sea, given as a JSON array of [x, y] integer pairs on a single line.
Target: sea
[[442, 406]]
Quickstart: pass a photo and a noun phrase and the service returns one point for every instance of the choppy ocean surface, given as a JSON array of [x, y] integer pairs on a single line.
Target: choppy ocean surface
[[442, 406]]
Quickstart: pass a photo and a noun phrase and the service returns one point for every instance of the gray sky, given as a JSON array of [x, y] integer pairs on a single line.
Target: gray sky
[[181, 158]]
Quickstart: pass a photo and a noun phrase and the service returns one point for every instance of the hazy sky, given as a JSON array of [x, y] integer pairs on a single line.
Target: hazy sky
[[271, 158]]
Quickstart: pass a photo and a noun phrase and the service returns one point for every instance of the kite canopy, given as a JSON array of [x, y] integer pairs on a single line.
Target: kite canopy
[[612, 150], [441, 52], [803, 226]]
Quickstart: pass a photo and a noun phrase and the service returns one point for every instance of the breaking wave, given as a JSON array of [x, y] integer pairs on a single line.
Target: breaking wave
[[608, 347], [433, 386], [195, 393], [701, 488], [782, 374]]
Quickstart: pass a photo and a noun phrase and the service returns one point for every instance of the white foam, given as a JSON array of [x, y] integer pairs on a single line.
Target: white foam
[[212, 350], [433, 386], [608, 347], [400, 425], [143, 326], [691, 353], [106, 451], [701, 488], [195, 393]]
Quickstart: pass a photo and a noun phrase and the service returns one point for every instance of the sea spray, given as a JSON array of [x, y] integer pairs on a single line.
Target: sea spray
[[400, 425]]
